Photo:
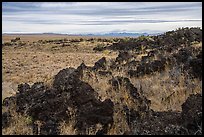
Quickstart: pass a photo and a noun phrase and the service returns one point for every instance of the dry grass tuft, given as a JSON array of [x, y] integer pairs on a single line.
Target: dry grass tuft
[[168, 90], [19, 125], [67, 129]]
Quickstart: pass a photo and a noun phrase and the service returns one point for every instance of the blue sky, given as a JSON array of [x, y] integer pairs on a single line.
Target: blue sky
[[99, 17]]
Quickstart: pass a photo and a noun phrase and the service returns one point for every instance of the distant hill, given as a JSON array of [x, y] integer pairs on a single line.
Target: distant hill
[[119, 34], [115, 34]]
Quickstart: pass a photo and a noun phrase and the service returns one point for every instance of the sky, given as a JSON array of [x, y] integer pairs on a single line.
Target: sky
[[99, 17]]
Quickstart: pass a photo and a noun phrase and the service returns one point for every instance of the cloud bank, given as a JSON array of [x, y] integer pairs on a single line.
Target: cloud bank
[[99, 17]]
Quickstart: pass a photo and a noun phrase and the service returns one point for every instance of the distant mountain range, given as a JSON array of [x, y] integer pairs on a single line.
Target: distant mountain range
[[114, 34], [124, 34]]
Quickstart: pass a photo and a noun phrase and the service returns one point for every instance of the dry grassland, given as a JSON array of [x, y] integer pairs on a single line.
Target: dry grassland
[[33, 63]]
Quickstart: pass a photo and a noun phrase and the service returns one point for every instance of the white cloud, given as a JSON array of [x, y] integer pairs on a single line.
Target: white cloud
[[54, 4]]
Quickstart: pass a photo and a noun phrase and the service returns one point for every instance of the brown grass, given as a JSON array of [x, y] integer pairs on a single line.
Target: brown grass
[[29, 64], [66, 129], [33, 63], [166, 92], [31, 37], [19, 126]]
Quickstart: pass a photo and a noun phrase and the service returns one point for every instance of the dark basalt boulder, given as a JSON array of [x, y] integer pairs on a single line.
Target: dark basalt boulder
[[160, 123], [98, 112], [123, 56], [100, 64], [26, 95], [141, 108], [38, 86], [62, 77], [49, 128], [82, 66], [9, 101], [192, 113], [92, 113], [157, 65], [118, 81], [99, 48], [22, 88], [131, 115], [196, 68], [182, 55], [148, 68], [6, 119], [124, 45], [51, 105]]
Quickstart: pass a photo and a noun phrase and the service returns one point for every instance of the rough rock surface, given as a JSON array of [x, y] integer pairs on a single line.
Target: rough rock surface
[[188, 122], [52, 105], [100, 64], [192, 113], [6, 119]]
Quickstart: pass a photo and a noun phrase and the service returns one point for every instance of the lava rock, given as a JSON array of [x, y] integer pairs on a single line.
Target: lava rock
[[118, 81], [123, 56], [192, 113], [49, 128], [196, 68], [100, 64], [8, 101], [6, 118], [62, 77], [182, 55], [131, 114], [68, 91], [104, 73], [23, 87]]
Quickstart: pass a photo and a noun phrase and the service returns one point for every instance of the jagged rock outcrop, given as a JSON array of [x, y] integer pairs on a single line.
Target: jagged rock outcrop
[[141, 103], [169, 39], [52, 105], [9, 101], [125, 82], [196, 66], [100, 64], [192, 114], [188, 122], [148, 68], [123, 56]]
